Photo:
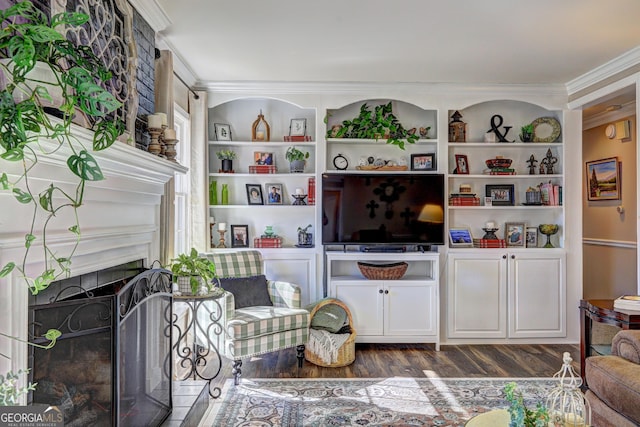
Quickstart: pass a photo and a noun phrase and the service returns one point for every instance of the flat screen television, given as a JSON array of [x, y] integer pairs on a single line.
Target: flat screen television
[[382, 209]]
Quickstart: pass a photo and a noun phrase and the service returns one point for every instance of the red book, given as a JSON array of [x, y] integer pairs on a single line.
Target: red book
[[311, 192]]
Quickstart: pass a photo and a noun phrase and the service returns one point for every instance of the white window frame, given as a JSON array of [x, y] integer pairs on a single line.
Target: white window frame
[[182, 204]]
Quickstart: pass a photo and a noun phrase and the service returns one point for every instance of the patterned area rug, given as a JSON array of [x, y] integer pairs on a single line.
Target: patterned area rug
[[368, 402]]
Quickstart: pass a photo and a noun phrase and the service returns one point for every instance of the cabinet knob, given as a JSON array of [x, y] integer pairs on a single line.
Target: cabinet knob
[[386, 291], [513, 257], [380, 291], [504, 257]]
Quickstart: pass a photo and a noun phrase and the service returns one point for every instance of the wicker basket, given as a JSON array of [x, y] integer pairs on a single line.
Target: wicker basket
[[347, 352], [393, 271]]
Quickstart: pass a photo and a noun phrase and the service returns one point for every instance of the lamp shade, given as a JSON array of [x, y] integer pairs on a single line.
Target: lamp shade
[[431, 213]]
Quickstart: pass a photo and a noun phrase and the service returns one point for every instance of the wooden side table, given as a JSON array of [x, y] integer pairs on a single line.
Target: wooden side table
[[600, 310]]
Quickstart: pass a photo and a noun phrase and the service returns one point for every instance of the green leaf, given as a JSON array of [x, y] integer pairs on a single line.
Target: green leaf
[[23, 53], [13, 155], [85, 166], [28, 240], [4, 181], [106, 134], [73, 19], [42, 282], [46, 199], [22, 196], [52, 335], [7, 269], [43, 33], [75, 230]]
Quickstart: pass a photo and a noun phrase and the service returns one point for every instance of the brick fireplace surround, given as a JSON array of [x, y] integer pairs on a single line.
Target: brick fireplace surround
[[119, 223]]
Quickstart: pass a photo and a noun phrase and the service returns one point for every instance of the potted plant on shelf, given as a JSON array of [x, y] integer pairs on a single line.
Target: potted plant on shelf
[[226, 156], [376, 124], [28, 133], [526, 133], [297, 159], [193, 273]]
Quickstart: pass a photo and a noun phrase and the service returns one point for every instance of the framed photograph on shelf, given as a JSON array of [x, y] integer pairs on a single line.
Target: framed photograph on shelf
[[488, 201], [514, 234], [603, 179], [501, 195], [532, 237], [223, 131], [239, 236], [460, 237], [423, 162], [274, 194], [298, 127], [262, 158], [462, 164], [254, 194]]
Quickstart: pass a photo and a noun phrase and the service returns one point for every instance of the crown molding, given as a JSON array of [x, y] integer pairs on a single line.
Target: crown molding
[[608, 116], [153, 13], [270, 87], [611, 68]]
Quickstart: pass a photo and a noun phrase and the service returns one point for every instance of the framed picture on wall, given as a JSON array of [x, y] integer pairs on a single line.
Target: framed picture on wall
[[603, 179]]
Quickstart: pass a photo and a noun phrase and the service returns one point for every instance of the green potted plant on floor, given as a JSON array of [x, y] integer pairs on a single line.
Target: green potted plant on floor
[[28, 133], [193, 273], [297, 159]]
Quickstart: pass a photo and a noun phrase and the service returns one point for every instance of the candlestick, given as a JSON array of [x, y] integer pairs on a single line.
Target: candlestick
[[299, 191], [222, 226], [169, 133], [260, 136], [154, 121], [154, 146], [490, 225], [163, 118], [221, 244]]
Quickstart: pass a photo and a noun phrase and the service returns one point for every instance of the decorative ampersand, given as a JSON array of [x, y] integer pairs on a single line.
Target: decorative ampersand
[[495, 128]]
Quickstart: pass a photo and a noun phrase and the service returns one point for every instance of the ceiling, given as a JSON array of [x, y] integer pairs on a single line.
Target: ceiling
[[438, 41]]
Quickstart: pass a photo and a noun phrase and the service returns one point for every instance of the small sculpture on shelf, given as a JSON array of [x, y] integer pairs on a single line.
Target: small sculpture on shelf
[[260, 130], [548, 162], [496, 122], [532, 165]]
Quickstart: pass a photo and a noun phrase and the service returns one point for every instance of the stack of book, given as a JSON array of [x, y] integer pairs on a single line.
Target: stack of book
[[464, 199], [551, 194], [263, 169], [267, 242], [502, 171], [489, 243], [627, 303]]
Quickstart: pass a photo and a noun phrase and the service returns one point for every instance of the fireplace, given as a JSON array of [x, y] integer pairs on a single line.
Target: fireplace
[[111, 366]]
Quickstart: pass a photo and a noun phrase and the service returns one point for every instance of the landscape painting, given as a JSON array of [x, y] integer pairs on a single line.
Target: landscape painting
[[603, 179]]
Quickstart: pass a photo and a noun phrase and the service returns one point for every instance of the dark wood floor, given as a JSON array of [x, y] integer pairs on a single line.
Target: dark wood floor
[[412, 360]]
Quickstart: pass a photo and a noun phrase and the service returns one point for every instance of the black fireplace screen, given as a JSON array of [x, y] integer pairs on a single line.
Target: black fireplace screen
[[111, 366]]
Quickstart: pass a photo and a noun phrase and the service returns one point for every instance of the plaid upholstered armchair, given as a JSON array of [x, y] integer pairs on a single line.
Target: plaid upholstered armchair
[[259, 315]]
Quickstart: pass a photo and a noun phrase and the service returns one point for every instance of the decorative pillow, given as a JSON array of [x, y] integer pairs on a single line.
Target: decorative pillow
[[247, 291], [330, 317]]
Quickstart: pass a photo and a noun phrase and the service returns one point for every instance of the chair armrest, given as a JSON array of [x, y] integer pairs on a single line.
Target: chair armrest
[[228, 303], [284, 294], [626, 344]]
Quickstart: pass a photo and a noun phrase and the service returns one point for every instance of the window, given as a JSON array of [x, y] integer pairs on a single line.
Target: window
[[182, 125]]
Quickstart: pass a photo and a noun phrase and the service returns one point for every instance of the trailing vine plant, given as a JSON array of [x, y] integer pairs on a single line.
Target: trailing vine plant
[[376, 124], [28, 132]]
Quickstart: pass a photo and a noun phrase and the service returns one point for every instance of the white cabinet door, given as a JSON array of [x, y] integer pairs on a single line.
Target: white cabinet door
[[537, 295], [410, 308], [364, 299], [476, 296]]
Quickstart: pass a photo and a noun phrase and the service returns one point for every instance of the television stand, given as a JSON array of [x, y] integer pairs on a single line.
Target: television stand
[[384, 249]]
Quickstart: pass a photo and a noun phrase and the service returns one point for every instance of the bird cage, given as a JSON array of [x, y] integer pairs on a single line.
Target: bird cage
[[566, 404]]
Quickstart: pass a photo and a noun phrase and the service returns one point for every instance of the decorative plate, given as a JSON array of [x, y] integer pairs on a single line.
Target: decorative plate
[[546, 129]]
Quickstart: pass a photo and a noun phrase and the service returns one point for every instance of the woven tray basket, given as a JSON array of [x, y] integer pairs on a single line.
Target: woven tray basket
[[393, 271], [347, 352]]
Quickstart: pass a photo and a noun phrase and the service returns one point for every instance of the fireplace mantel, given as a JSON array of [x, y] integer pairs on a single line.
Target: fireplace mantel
[[119, 220]]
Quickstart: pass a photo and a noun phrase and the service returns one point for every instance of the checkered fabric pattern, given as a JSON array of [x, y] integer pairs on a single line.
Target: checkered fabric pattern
[[237, 264], [250, 331]]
